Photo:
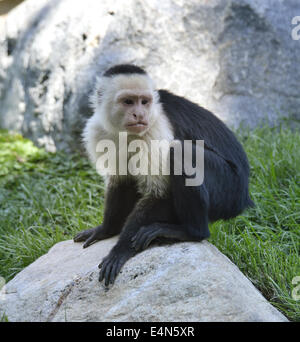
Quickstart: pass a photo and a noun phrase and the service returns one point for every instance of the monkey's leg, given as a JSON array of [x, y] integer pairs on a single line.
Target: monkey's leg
[[191, 207], [180, 232], [146, 211], [120, 199]]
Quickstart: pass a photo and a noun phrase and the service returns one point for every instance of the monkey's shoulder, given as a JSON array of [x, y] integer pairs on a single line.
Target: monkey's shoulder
[[193, 122], [188, 116]]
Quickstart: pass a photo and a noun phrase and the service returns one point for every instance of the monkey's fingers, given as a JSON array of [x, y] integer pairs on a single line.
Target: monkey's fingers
[[110, 267], [84, 235], [92, 239], [116, 270], [106, 268]]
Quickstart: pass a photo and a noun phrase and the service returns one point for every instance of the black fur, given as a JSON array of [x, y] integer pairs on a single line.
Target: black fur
[[124, 69], [186, 211], [120, 200], [226, 171]]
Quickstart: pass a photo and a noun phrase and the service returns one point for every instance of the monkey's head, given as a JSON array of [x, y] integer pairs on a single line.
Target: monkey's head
[[125, 100]]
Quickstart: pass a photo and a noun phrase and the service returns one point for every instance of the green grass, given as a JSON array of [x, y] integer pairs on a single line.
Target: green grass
[[3, 318], [46, 198], [264, 242]]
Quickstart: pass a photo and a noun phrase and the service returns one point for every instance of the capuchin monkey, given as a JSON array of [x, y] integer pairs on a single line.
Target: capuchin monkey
[[144, 207]]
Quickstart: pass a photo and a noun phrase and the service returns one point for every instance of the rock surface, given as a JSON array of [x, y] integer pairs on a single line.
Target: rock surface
[[235, 57], [179, 282]]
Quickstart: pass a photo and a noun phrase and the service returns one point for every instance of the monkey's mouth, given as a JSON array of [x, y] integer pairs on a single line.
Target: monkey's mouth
[[137, 127]]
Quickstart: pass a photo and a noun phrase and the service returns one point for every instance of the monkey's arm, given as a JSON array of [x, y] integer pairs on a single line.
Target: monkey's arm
[[147, 211], [184, 218], [121, 197]]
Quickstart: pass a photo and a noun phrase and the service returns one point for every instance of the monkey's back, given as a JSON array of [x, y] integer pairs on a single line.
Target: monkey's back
[[225, 158]]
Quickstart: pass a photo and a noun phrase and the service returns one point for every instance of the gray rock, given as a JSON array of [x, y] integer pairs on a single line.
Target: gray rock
[[235, 57], [179, 282]]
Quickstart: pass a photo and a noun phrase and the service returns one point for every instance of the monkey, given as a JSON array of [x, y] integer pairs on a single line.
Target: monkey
[[144, 208]]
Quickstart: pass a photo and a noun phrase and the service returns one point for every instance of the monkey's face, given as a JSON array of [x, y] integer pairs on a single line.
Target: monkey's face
[[126, 103], [132, 110]]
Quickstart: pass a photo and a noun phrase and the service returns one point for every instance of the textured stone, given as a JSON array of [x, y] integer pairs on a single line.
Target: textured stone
[[235, 57], [179, 282]]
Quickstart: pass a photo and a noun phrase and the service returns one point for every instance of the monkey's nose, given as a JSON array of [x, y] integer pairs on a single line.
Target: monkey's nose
[[139, 116]]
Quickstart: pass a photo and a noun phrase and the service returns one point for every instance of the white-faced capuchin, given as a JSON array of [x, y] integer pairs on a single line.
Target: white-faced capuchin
[[145, 206]]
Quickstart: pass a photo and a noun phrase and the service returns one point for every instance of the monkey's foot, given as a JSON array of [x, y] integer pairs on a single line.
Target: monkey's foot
[[147, 234], [90, 236], [112, 264]]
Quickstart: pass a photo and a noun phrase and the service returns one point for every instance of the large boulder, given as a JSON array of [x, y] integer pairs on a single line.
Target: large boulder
[[235, 57], [179, 282]]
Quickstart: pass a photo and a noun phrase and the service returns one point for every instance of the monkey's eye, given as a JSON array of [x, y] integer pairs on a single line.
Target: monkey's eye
[[128, 102], [144, 102]]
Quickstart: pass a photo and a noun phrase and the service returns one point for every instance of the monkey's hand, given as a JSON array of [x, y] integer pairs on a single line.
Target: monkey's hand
[[112, 264], [91, 236]]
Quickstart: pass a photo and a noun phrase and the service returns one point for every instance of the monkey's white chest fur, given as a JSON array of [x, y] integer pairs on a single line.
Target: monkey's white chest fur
[[146, 156]]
